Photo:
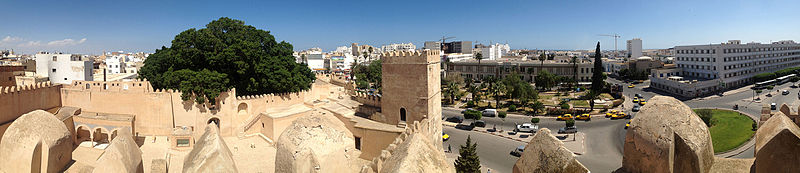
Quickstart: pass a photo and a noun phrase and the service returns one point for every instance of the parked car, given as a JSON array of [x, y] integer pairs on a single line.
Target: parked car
[[455, 119], [564, 117], [769, 95], [631, 86], [636, 108], [518, 151], [619, 115], [628, 124], [465, 110], [638, 96], [636, 100], [642, 102], [490, 112], [565, 130], [611, 113], [785, 92], [773, 106], [479, 123], [526, 127], [586, 117]]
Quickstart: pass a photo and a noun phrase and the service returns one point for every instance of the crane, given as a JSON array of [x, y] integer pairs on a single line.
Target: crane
[[441, 43], [615, 40]]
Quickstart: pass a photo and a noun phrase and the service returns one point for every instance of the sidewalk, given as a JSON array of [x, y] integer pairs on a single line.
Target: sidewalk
[[730, 92]]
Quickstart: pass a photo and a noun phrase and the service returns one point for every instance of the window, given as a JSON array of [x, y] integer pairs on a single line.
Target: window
[[358, 143], [54, 70], [183, 142], [55, 58]]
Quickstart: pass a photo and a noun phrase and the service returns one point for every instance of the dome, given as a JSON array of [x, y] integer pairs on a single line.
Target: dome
[[645, 58]]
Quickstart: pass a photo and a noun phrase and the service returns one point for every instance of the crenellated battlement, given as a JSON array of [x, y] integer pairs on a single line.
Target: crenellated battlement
[[425, 127], [31, 87], [270, 96], [411, 57], [127, 86], [367, 99]]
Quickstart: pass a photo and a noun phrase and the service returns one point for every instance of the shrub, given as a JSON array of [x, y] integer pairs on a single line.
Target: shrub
[[705, 115], [470, 104], [534, 120], [564, 106], [770, 87], [473, 114], [755, 126], [501, 114], [570, 122], [512, 108]]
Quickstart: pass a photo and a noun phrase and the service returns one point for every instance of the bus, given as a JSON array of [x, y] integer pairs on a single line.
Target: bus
[[763, 85], [784, 79]]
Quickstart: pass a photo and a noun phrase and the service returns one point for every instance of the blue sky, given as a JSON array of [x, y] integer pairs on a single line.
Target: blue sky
[[95, 26]]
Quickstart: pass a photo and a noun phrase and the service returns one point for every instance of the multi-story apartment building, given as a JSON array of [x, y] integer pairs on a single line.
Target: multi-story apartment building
[[433, 45], [464, 47], [706, 69], [527, 69], [64, 68], [398, 47], [635, 48]]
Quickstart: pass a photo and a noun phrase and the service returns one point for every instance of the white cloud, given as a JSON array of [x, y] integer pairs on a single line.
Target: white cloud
[[9, 39], [30, 44], [66, 42]]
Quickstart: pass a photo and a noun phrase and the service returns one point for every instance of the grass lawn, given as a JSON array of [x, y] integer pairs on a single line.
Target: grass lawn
[[606, 96], [729, 130], [579, 103]]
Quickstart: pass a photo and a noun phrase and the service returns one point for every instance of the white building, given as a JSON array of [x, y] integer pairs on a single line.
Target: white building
[[491, 52], [705, 69], [64, 68], [113, 65], [399, 47], [635, 48], [316, 61]]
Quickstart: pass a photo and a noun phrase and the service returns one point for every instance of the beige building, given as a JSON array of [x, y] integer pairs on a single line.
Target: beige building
[[527, 69]]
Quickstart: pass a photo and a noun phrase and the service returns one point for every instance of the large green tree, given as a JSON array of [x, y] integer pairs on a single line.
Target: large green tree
[[226, 54], [468, 161], [598, 78]]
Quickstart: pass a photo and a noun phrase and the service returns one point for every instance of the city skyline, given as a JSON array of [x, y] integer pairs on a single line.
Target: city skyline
[[94, 27]]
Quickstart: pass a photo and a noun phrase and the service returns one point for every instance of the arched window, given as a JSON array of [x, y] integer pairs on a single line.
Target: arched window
[[215, 120], [402, 114]]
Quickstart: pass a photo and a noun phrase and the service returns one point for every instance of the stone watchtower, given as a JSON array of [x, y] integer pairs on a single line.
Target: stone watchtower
[[412, 89], [411, 86]]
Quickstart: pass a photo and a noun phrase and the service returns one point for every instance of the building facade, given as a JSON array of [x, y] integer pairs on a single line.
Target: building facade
[[464, 47], [717, 67], [398, 47], [432, 45], [526, 69], [635, 48], [64, 68]]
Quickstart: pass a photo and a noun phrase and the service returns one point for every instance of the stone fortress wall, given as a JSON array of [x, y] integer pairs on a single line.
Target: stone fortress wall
[[18, 100], [157, 112]]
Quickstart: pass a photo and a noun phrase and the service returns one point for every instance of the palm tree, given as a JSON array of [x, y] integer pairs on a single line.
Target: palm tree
[[497, 88], [451, 91], [479, 57]]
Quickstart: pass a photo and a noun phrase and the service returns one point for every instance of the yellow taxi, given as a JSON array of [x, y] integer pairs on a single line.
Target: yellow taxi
[[628, 124], [635, 100], [619, 115], [631, 86], [642, 102], [611, 113], [586, 117], [445, 136], [565, 117]]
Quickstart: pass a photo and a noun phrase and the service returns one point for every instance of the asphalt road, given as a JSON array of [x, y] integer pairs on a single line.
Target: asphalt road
[[604, 141], [604, 137]]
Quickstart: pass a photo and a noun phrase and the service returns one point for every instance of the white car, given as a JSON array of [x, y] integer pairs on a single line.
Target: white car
[[526, 127], [490, 112]]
